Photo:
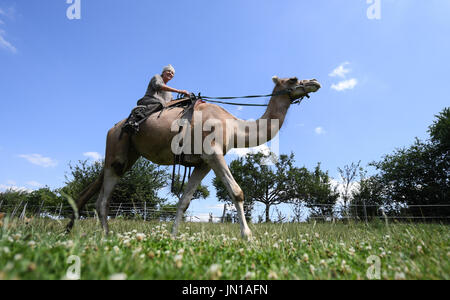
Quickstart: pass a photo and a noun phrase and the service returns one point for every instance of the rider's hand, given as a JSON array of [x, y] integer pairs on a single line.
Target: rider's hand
[[184, 92]]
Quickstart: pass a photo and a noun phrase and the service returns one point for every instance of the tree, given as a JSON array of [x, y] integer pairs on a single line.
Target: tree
[[201, 192], [38, 201], [259, 182], [348, 175], [314, 190], [419, 175], [440, 130], [369, 197], [139, 185]]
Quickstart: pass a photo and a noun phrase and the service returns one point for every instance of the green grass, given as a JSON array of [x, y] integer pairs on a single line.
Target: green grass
[[40, 250]]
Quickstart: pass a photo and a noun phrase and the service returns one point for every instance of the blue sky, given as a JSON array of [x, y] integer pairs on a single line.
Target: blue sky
[[64, 83]]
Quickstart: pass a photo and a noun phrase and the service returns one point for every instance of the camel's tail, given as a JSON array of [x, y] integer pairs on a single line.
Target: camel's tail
[[85, 195]]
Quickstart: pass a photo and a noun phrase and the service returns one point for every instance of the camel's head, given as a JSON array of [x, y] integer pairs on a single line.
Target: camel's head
[[296, 88]]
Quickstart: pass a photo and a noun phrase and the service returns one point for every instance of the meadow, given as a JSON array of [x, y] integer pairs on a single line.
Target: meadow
[[39, 249]]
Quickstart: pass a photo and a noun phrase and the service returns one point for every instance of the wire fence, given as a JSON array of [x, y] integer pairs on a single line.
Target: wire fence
[[326, 212]]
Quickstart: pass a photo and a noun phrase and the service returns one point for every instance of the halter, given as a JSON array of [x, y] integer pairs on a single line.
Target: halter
[[287, 91]]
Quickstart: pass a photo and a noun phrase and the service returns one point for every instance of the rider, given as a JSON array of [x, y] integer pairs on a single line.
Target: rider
[[158, 92]]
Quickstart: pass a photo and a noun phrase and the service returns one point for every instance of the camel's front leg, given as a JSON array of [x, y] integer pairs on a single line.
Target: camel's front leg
[[220, 167], [192, 184]]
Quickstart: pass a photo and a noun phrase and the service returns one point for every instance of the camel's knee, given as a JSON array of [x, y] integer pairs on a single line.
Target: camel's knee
[[119, 167], [238, 195]]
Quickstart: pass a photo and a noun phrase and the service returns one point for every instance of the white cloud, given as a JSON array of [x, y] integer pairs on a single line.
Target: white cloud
[[14, 188], [34, 184], [240, 108], [5, 44], [39, 160], [345, 85], [354, 187], [93, 155], [319, 130], [241, 152], [340, 71]]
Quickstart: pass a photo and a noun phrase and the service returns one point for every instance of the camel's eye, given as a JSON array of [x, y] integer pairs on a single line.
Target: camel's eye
[[293, 80]]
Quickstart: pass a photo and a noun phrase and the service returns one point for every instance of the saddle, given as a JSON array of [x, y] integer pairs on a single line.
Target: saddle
[[141, 113]]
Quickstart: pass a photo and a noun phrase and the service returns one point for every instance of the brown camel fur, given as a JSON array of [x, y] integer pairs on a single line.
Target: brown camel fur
[[154, 142]]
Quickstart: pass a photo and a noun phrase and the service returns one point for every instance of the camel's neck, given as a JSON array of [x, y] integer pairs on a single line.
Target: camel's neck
[[255, 133]]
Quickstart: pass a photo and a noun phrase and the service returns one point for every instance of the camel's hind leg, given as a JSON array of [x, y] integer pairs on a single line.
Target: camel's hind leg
[[220, 167], [193, 182], [109, 182], [120, 157]]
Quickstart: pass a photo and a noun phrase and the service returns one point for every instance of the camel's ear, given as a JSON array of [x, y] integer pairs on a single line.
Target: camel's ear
[[275, 79]]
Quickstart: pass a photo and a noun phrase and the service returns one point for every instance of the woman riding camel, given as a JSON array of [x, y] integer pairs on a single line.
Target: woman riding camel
[[158, 92]]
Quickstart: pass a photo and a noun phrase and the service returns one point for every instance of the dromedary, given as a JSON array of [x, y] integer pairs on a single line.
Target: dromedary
[[154, 142]]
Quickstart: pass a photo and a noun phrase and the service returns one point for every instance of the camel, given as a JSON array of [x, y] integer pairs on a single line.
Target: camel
[[154, 141]]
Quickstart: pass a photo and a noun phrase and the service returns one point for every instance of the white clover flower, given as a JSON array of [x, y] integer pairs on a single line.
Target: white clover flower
[[305, 257], [399, 276], [180, 251], [250, 275], [215, 272], [178, 259], [351, 251], [116, 249], [32, 244], [18, 257], [272, 275], [140, 237], [275, 245], [119, 276], [312, 269], [137, 251], [126, 243]]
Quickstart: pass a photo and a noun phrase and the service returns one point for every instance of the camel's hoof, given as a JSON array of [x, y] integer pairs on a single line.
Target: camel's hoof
[[247, 235]]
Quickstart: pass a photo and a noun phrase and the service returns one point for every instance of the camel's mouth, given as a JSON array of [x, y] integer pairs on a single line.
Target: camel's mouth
[[312, 85], [304, 88]]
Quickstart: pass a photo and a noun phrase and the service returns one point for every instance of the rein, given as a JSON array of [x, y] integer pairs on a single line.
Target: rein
[[283, 92]]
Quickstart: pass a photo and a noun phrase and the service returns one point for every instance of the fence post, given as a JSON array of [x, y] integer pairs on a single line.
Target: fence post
[[40, 208], [365, 210], [224, 212], [145, 211], [118, 210], [60, 209]]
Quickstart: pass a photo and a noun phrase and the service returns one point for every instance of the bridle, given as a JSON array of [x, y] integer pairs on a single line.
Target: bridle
[[287, 91]]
